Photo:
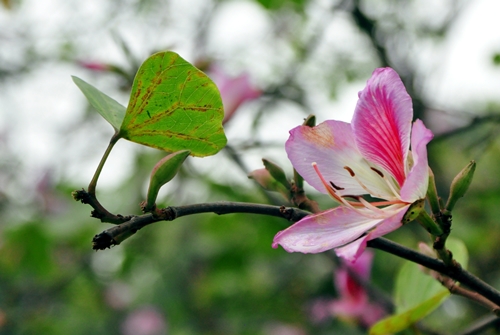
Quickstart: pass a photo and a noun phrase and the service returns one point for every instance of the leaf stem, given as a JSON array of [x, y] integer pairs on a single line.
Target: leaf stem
[[93, 182], [479, 327]]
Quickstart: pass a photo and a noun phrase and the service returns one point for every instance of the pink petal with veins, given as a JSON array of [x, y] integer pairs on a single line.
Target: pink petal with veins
[[323, 231], [382, 122], [416, 184], [353, 250], [331, 145]]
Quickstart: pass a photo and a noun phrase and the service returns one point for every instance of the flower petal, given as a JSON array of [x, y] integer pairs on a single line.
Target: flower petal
[[331, 145], [323, 231], [347, 288], [382, 122], [415, 186], [353, 250]]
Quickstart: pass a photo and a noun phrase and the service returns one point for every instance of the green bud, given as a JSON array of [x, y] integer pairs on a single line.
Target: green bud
[[264, 179], [460, 185], [413, 211], [162, 173], [432, 195], [429, 223], [276, 172], [310, 121]]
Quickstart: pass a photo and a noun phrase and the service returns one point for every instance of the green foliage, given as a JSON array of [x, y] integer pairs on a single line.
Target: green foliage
[[417, 293], [278, 4], [496, 59], [210, 274], [174, 106], [110, 109]]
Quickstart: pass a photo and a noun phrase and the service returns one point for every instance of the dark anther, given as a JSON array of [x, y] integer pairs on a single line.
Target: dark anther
[[338, 188], [351, 172], [378, 172]]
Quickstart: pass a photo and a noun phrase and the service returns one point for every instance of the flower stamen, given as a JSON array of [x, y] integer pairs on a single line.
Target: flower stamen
[[338, 188], [387, 181], [370, 208], [368, 191]]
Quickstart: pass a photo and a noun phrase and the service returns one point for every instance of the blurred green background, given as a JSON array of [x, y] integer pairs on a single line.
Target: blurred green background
[[209, 274]]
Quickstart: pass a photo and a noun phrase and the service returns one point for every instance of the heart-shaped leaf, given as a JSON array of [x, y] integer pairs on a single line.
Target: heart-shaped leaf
[[110, 110], [174, 106], [417, 294]]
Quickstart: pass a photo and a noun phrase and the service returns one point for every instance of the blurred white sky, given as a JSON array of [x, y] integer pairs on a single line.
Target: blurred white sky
[[36, 109]]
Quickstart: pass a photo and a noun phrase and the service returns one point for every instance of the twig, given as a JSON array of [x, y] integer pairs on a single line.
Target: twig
[[115, 235], [479, 326], [475, 122], [455, 273]]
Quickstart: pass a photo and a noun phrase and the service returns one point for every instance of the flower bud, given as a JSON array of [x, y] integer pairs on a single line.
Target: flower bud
[[276, 172], [413, 211], [460, 185], [264, 179], [310, 120], [162, 173]]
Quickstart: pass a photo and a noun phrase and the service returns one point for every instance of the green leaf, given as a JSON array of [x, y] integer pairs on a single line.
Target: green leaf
[[402, 321], [111, 110], [417, 294], [174, 106]]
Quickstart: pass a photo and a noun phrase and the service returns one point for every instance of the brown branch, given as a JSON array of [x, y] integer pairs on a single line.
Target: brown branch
[[117, 234]]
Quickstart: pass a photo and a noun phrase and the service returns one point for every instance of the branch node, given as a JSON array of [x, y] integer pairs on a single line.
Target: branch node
[[167, 213], [81, 195], [102, 241], [96, 214]]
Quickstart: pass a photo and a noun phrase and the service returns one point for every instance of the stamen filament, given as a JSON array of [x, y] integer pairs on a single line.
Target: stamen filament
[[366, 188], [370, 209], [391, 186], [370, 206], [328, 188]]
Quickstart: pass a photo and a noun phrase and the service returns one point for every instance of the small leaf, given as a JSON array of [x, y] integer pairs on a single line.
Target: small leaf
[[174, 106], [417, 294], [402, 321], [162, 173], [111, 110]]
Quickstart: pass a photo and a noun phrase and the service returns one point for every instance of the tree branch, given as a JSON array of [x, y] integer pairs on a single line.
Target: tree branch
[[119, 233], [479, 326], [456, 273]]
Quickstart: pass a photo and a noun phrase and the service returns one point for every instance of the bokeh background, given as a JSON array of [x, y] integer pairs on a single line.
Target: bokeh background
[[276, 61]]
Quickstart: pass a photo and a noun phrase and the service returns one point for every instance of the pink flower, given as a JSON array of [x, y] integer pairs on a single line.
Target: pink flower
[[94, 66], [234, 90], [353, 303], [145, 321], [369, 156]]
